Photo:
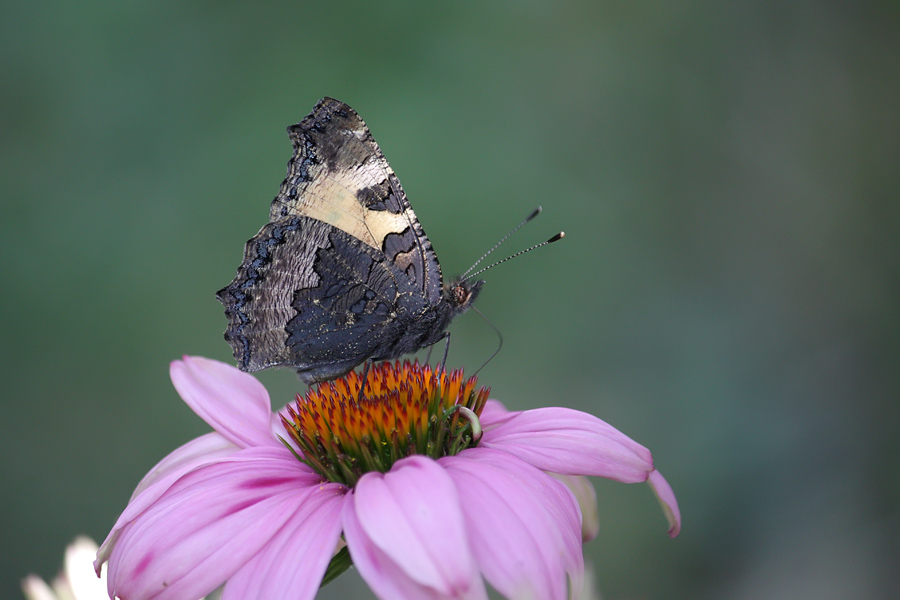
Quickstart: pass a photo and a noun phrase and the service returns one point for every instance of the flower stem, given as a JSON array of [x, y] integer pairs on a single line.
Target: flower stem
[[340, 562]]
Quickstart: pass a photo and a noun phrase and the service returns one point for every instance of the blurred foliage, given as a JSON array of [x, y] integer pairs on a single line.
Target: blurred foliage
[[727, 293]]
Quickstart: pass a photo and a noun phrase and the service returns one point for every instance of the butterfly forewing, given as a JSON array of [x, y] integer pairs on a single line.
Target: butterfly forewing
[[339, 176]]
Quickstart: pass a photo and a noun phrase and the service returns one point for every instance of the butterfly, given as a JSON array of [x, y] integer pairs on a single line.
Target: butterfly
[[343, 273]]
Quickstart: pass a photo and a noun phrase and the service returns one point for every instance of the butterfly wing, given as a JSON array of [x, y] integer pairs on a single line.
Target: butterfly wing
[[339, 176], [344, 271], [312, 297]]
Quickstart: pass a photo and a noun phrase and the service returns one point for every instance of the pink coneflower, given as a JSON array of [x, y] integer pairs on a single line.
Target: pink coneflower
[[430, 488]]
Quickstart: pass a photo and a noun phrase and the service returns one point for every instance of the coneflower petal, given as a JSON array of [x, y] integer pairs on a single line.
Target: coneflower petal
[[525, 526], [201, 451], [208, 525], [570, 442], [406, 533], [234, 403], [291, 564]]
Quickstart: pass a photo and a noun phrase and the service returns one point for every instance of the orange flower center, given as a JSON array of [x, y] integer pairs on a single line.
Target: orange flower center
[[404, 409]]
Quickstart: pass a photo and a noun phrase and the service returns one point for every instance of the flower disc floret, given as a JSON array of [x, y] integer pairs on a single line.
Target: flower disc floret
[[404, 409]]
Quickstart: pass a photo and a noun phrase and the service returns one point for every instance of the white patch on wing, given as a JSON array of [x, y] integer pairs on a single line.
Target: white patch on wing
[[332, 199]]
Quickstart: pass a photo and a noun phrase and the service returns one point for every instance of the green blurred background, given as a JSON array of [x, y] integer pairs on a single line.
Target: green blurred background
[[727, 294]]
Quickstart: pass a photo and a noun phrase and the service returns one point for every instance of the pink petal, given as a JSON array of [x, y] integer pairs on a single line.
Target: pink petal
[[406, 534], [524, 525], [209, 524], [493, 412], [292, 564], [509, 431], [667, 501], [386, 579], [570, 442], [586, 496], [233, 403], [201, 451]]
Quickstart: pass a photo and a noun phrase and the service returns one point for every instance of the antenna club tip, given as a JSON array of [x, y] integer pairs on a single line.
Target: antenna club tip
[[557, 237], [534, 213]]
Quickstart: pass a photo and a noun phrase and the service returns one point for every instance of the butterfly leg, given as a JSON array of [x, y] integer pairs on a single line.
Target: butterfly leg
[[445, 335], [365, 378]]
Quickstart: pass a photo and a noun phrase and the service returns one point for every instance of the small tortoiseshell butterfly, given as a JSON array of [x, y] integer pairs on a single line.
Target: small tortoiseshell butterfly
[[343, 273]]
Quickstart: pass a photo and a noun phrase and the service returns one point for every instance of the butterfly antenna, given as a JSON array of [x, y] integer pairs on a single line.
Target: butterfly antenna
[[499, 337], [555, 238], [533, 214]]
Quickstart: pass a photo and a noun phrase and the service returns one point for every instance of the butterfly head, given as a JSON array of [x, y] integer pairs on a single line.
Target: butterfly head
[[460, 293]]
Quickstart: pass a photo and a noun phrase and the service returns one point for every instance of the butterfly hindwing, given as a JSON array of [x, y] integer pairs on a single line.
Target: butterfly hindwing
[[277, 261], [310, 296], [358, 311]]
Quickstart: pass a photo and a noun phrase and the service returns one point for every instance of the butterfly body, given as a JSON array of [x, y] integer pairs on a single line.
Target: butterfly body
[[343, 272]]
